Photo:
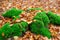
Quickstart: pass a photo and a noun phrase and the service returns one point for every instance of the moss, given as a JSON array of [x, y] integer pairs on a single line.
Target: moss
[[16, 30], [24, 26], [35, 9], [40, 26], [19, 28], [37, 27], [13, 12], [1, 37], [42, 17], [54, 18], [6, 30]]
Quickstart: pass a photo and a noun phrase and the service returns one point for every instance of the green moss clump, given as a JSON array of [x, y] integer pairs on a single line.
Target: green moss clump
[[6, 30], [16, 30], [19, 28], [13, 12], [54, 18], [24, 26], [41, 24], [42, 17], [1, 37], [37, 27]]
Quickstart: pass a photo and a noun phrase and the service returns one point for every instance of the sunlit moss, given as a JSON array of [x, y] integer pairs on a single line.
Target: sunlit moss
[[42, 17], [12, 13]]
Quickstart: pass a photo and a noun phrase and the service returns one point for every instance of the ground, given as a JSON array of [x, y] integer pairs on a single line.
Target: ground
[[53, 5]]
